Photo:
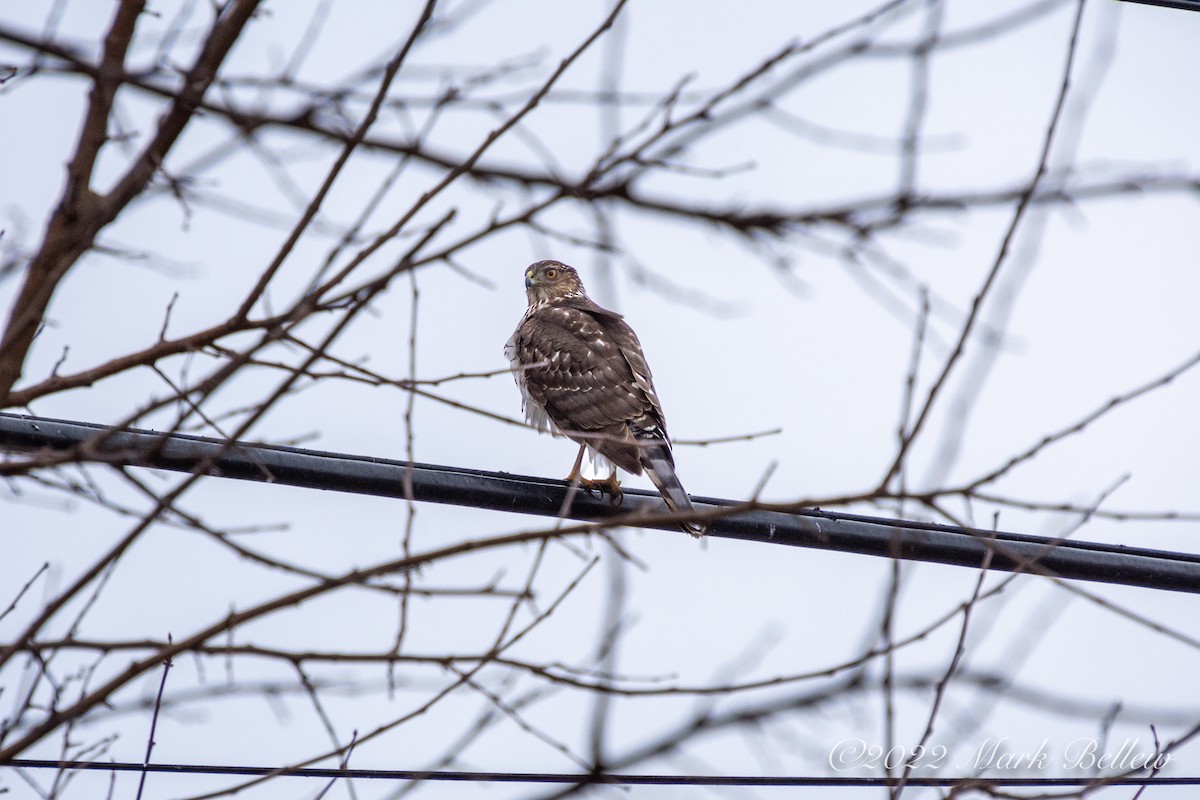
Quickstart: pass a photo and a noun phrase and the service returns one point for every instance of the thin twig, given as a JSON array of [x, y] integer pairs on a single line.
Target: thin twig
[[162, 684]]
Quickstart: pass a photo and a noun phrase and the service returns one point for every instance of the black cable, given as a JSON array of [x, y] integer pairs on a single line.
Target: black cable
[[1182, 5], [498, 491], [569, 778]]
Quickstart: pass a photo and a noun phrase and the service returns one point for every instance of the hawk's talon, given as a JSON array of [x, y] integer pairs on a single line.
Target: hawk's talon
[[613, 487], [593, 488]]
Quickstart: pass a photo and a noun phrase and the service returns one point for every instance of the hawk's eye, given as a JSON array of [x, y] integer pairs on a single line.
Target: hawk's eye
[[551, 274]]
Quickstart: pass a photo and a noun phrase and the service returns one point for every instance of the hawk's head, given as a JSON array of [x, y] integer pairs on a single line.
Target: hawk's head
[[546, 281]]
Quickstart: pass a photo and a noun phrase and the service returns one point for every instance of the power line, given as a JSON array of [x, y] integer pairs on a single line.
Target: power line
[[1182, 5], [589, 778], [499, 491]]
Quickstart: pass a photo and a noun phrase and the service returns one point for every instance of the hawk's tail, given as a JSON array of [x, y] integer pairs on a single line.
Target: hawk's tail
[[660, 466]]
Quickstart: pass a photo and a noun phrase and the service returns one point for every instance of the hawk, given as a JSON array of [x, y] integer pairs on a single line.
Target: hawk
[[582, 375]]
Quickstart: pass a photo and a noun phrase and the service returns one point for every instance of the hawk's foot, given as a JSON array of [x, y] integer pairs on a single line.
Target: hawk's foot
[[610, 486]]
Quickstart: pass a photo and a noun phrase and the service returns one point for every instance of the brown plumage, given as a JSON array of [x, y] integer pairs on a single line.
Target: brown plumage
[[582, 374]]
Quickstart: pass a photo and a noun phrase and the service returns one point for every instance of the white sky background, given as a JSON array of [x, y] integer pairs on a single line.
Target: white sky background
[[1103, 302]]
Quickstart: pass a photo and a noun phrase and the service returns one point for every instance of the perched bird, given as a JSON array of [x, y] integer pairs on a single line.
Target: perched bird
[[582, 375]]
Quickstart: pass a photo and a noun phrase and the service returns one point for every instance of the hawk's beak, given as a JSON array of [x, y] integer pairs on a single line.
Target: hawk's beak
[[529, 281]]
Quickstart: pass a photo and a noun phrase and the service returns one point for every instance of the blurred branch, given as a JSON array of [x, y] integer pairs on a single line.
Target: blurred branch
[[1001, 259], [1052, 438], [863, 214], [82, 212], [100, 695], [510, 639]]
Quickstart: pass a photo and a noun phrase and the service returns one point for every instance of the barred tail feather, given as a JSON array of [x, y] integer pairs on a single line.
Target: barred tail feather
[[660, 466]]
